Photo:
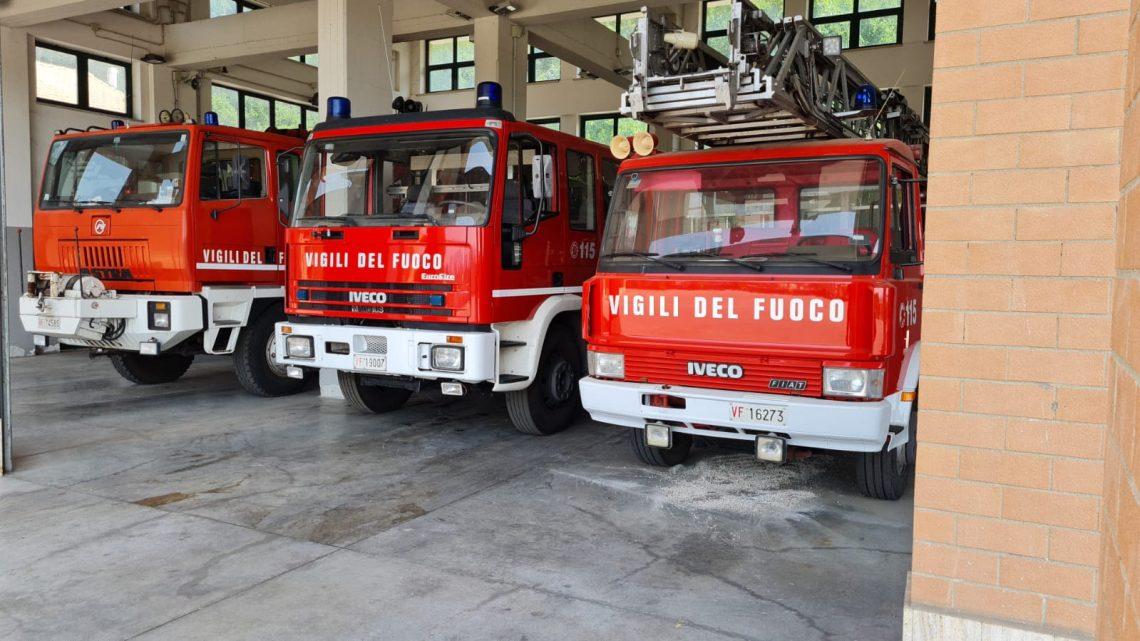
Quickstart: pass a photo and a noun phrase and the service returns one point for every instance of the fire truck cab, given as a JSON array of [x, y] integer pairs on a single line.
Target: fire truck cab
[[449, 249], [155, 243], [767, 290]]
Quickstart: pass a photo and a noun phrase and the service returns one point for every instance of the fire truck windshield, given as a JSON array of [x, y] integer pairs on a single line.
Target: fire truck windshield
[[116, 170], [826, 214], [428, 178]]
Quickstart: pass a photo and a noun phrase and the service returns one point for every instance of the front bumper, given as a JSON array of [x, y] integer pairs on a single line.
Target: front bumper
[[110, 322], [853, 426], [404, 352]]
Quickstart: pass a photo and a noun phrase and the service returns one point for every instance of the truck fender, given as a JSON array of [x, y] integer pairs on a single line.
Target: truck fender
[[523, 360], [229, 309], [908, 382]]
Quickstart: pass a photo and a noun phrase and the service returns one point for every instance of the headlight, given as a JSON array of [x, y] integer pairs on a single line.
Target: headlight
[[299, 346], [447, 357], [606, 365], [158, 314], [855, 383]]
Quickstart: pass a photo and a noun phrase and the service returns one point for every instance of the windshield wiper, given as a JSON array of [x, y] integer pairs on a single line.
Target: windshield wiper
[[807, 258], [424, 217], [141, 203], [756, 267], [648, 256], [79, 206], [323, 221]]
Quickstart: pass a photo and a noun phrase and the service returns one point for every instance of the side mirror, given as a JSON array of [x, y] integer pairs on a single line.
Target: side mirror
[[542, 176]]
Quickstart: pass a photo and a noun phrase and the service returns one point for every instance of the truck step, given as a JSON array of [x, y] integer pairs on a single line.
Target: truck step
[[227, 323], [512, 343], [510, 378]]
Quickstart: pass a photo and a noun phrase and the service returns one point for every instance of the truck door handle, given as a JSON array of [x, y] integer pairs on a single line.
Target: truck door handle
[[328, 234], [556, 279]]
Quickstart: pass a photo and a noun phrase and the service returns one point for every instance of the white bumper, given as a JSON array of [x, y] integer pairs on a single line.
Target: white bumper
[[808, 422], [96, 322], [405, 352]]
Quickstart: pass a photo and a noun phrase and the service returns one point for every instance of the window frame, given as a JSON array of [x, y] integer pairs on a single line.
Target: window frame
[[706, 34], [930, 22], [243, 93], [82, 96], [241, 6], [614, 116], [855, 17], [241, 147], [589, 223], [454, 65], [543, 122], [902, 222], [533, 55]]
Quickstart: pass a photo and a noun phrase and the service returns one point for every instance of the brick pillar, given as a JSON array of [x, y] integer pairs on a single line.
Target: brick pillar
[[1015, 392], [1119, 612]]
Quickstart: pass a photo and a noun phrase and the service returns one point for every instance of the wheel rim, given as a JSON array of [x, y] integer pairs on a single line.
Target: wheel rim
[[560, 383], [271, 357]]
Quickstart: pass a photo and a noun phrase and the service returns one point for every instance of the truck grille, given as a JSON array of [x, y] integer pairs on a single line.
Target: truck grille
[[672, 368], [107, 260], [410, 299]]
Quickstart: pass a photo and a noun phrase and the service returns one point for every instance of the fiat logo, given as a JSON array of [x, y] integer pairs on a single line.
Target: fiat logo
[[100, 226]]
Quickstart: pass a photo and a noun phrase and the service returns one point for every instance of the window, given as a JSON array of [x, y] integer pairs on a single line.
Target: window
[[310, 59], [581, 190], [219, 8], [231, 171], [609, 179], [288, 169], [450, 64], [549, 123], [116, 169], [902, 234], [238, 108], [83, 80], [930, 31], [601, 128], [542, 67], [860, 23], [716, 14], [622, 23], [926, 99]]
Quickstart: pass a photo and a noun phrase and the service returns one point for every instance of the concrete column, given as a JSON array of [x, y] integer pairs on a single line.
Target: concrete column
[[500, 56], [158, 92], [19, 82], [354, 41]]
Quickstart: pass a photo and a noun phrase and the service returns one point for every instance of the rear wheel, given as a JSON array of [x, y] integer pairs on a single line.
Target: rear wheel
[[883, 475], [255, 362], [659, 456], [552, 401], [373, 399], [151, 370]]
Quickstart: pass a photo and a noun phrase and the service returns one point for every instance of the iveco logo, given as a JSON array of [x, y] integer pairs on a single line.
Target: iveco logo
[[715, 370], [376, 298], [787, 384]]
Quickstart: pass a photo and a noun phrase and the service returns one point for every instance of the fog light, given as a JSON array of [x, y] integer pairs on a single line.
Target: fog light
[[771, 449], [659, 436], [447, 357], [299, 346], [292, 371], [149, 348], [337, 347], [158, 315], [606, 365], [451, 388]]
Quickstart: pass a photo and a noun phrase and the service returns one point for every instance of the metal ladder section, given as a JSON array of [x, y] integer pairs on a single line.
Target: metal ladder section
[[777, 84]]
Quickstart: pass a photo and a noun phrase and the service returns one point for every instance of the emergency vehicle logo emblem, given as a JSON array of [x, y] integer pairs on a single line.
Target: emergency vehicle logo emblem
[[715, 370], [100, 226]]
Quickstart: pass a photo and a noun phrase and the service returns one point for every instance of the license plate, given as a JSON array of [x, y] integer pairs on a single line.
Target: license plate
[[758, 414], [48, 322], [373, 363]]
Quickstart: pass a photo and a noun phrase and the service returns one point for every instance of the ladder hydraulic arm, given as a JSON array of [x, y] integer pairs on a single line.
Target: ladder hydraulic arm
[[782, 80]]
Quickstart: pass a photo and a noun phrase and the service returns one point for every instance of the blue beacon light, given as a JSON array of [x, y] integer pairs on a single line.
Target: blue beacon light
[[865, 97], [339, 108], [489, 95], [210, 118], [117, 124]]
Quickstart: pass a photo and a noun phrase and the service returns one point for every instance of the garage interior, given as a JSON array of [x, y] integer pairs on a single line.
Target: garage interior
[[194, 511]]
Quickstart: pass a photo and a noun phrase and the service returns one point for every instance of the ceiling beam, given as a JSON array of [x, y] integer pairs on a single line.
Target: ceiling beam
[[26, 13]]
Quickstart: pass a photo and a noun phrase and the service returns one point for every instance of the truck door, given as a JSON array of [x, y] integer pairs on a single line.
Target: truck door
[[535, 262], [584, 214], [906, 255], [288, 173], [236, 218]]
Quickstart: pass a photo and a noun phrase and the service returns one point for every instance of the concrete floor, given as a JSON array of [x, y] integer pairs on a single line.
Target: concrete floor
[[193, 511]]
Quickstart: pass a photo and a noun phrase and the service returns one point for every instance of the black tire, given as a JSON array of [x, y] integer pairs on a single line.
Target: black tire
[[253, 355], [884, 475], [151, 370], [371, 399], [659, 456], [552, 401]]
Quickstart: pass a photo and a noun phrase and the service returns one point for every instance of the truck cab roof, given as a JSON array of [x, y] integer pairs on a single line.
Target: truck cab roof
[[776, 151], [154, 127]]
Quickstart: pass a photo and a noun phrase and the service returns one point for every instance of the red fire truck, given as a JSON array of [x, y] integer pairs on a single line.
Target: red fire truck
[[155, 243], [447, 249], [768, 290]]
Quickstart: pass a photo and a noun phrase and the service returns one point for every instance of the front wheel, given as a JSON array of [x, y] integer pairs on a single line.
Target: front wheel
[[371, 399], [883, 475], [151, 370], [255, 358], [552, 401], [660, 456]]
